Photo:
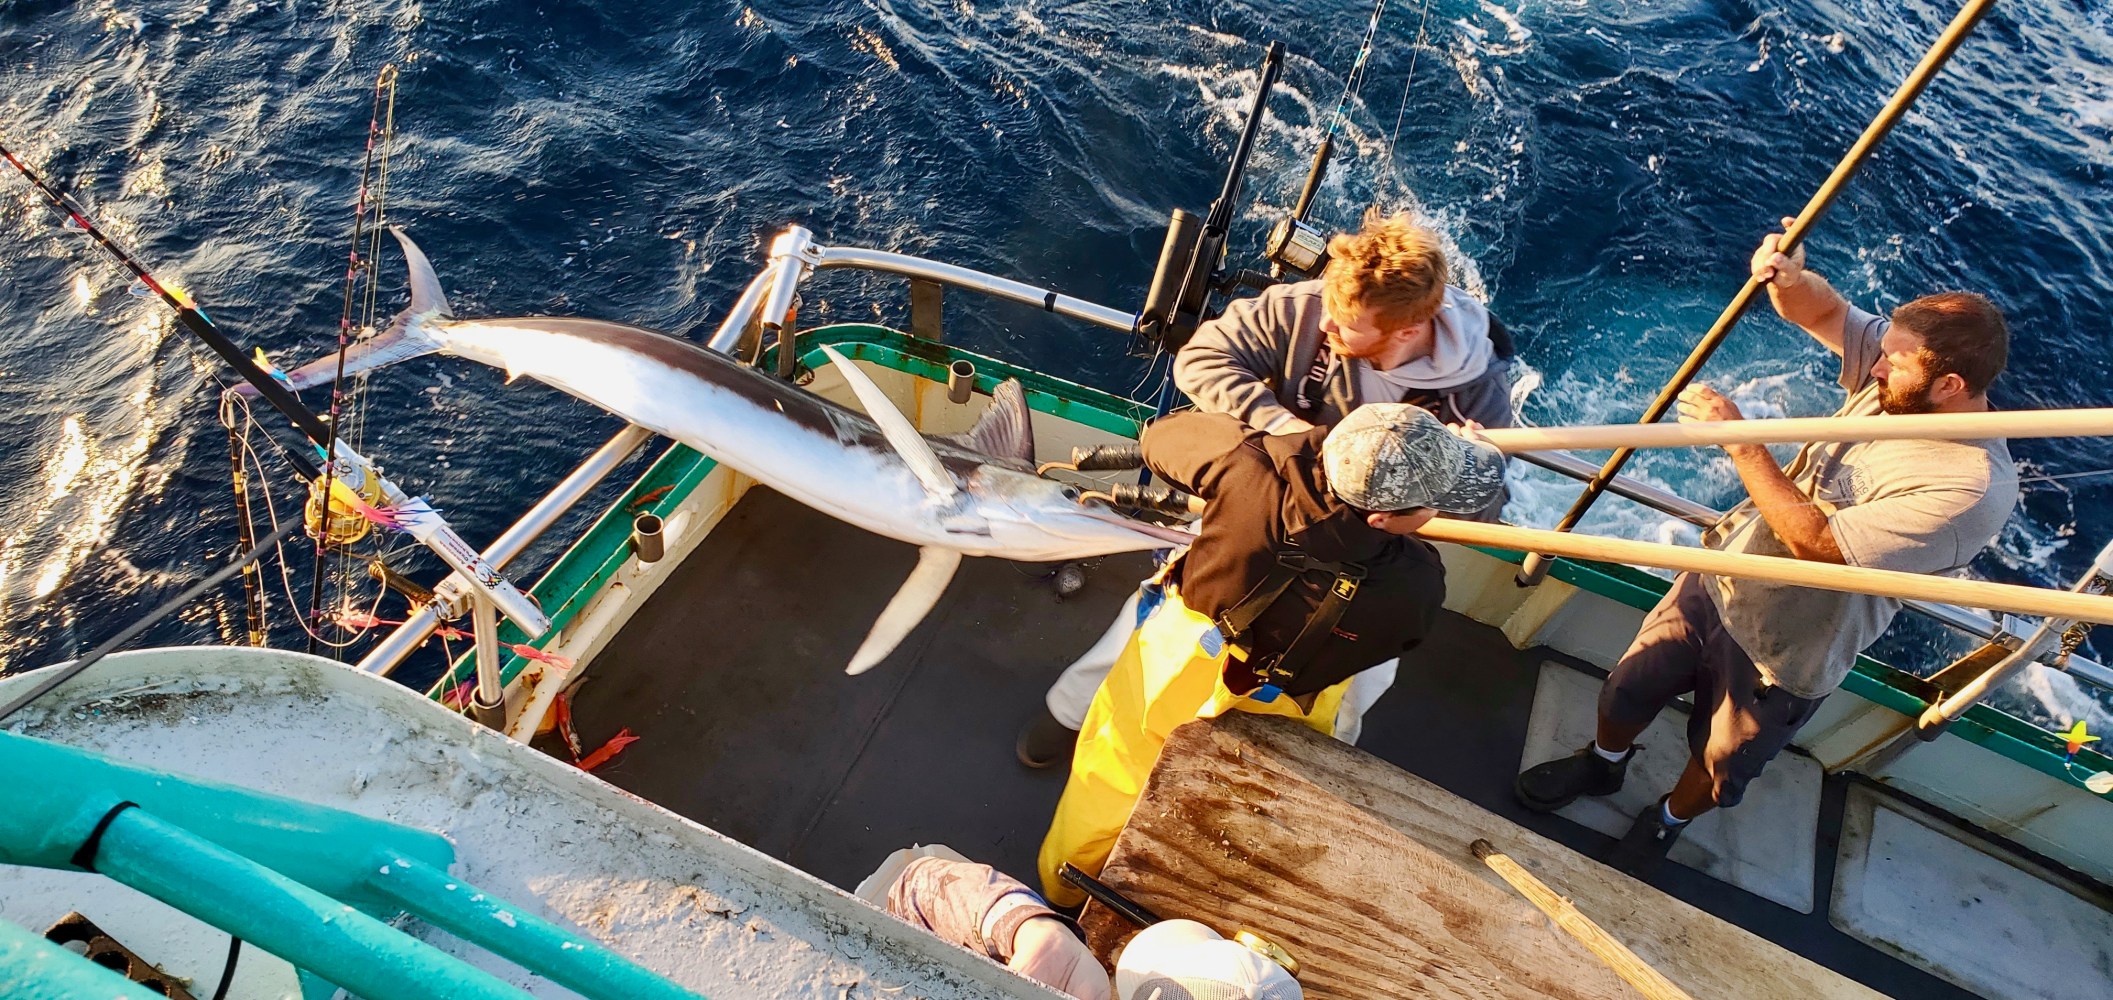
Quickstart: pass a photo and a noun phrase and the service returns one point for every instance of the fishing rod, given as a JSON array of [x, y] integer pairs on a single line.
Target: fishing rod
[[193, 318], [1188, 272], [1293, 245], [1536, 565], [412, 516], [357, 266]]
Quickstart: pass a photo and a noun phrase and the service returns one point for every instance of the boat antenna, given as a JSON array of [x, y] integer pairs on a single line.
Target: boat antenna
[[188, 313], [1536, 565]]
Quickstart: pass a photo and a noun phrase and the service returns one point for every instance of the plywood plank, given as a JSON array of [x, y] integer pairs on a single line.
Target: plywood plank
[[1361, 870]]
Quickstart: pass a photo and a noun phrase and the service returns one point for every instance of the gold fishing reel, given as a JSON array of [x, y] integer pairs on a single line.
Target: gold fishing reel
[[343, 524]]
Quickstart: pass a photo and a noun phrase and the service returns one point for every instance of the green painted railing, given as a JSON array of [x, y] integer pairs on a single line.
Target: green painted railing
[[309, 884]]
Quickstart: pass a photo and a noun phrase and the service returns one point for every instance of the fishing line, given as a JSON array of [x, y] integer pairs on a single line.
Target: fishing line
[[1415, 53], [63, 674], [1355, 81], [357, 266]]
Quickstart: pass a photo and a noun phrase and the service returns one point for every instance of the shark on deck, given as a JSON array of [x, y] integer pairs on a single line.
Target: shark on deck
[[975, 494]]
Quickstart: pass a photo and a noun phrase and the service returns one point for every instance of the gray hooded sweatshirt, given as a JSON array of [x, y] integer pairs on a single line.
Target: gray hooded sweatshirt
[[1266, 361]]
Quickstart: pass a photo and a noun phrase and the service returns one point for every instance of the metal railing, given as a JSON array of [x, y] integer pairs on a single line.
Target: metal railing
[[800, 253], [1967, 620], [394, 647]]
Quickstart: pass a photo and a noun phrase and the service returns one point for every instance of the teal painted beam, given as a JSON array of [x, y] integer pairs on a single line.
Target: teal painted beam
[[32, 968], [574, 962], [314, 932], [323, 848]]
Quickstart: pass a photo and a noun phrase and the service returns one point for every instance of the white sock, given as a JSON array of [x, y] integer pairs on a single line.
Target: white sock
[[1665, 808], [1612, 758]]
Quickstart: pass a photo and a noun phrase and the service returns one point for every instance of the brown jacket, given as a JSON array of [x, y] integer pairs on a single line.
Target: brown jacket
[[1267, 494]]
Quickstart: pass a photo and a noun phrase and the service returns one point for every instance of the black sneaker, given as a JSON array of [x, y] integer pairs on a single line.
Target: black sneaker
[[1045, 742], [1644, 847], [1557, 783]]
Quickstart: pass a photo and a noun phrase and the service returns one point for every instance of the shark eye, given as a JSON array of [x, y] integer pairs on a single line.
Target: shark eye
[[1071, 493]]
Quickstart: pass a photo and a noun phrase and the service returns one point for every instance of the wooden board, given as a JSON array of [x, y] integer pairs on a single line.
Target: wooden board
[[1361, 871]]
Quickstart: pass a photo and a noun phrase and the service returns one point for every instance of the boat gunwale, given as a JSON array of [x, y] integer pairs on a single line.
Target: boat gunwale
[[588, 564]]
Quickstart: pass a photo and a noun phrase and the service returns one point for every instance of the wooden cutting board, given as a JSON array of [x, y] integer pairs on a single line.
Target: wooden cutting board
[[1361, 871]]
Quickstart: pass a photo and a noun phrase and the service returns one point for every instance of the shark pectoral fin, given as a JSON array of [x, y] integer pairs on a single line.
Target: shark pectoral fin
[[916, 452], [935, 569]]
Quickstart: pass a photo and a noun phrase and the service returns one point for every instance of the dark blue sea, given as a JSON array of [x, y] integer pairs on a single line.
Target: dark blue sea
[[1603, 168]]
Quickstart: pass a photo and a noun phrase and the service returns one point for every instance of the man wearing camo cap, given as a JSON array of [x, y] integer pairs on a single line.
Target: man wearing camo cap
[[1383, 325], [1305, 570]]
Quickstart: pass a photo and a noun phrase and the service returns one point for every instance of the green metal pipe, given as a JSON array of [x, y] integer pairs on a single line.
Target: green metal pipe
[[576, 963], [317, 846], [314, 932], [32, 968]]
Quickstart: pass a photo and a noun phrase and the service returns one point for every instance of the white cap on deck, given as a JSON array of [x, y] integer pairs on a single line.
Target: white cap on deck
[[1184, 960]]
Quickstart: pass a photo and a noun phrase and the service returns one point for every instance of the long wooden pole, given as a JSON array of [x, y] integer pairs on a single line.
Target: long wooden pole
[[1796, 572], [1919, 78], [1934, 426], [1633, 970]]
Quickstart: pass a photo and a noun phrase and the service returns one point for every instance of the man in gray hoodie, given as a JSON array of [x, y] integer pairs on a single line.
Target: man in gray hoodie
[[1381, 325]]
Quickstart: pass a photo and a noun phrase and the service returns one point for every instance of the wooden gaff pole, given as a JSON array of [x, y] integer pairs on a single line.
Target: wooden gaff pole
[[1793, 430], [1918, 78], [1633, 970], [1796, 572]]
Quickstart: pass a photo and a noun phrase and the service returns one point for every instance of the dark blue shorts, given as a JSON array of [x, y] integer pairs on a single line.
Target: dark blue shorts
[[1740, 721]]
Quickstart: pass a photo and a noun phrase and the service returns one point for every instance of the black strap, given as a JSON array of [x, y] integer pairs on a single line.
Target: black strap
[[1342, 589], [84, 859], [1319, 626], [1234, 622]]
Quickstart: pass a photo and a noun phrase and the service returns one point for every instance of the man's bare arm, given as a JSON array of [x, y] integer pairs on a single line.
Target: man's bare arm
[[1791, 514], [1800, 296]]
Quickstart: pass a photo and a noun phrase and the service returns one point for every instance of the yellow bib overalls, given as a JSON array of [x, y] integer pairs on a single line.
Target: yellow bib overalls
[[1163, 678]]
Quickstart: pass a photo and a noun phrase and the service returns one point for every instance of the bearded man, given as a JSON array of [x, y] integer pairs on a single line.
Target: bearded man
[[1759, 657]]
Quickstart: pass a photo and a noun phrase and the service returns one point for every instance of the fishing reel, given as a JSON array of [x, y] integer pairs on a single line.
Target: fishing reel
[[338, 521], [1297, 248]]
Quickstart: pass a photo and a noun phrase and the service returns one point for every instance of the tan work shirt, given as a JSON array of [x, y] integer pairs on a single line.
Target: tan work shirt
[[1913, 506]]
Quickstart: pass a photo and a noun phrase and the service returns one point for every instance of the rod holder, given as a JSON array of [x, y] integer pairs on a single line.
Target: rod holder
[[960, 381], [492, 717], [647, 542]]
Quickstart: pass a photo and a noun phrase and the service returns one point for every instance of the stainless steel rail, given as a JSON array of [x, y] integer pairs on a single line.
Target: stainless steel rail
[[1966, 620], [973, 280], [391, 650]]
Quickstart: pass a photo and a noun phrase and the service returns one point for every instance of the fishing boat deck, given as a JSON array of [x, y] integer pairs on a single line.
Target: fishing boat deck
[[731, 675]]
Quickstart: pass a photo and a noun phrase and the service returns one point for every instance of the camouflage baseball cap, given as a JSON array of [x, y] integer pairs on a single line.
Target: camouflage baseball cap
[[1397, 456]]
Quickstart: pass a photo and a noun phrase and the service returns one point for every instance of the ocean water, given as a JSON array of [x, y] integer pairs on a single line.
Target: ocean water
[[1602, 168]]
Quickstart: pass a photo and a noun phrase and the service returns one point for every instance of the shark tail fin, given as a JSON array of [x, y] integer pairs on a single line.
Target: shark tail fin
[[408, 336]]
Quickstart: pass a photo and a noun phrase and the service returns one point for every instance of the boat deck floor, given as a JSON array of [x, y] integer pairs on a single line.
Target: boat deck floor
[[732, 676]]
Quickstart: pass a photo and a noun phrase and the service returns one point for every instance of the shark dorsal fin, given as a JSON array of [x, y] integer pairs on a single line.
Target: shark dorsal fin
[[1006, 429], [916, 452]]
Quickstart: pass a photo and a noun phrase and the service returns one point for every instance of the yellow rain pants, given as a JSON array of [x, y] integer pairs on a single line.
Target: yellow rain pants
[[1162, 679]]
